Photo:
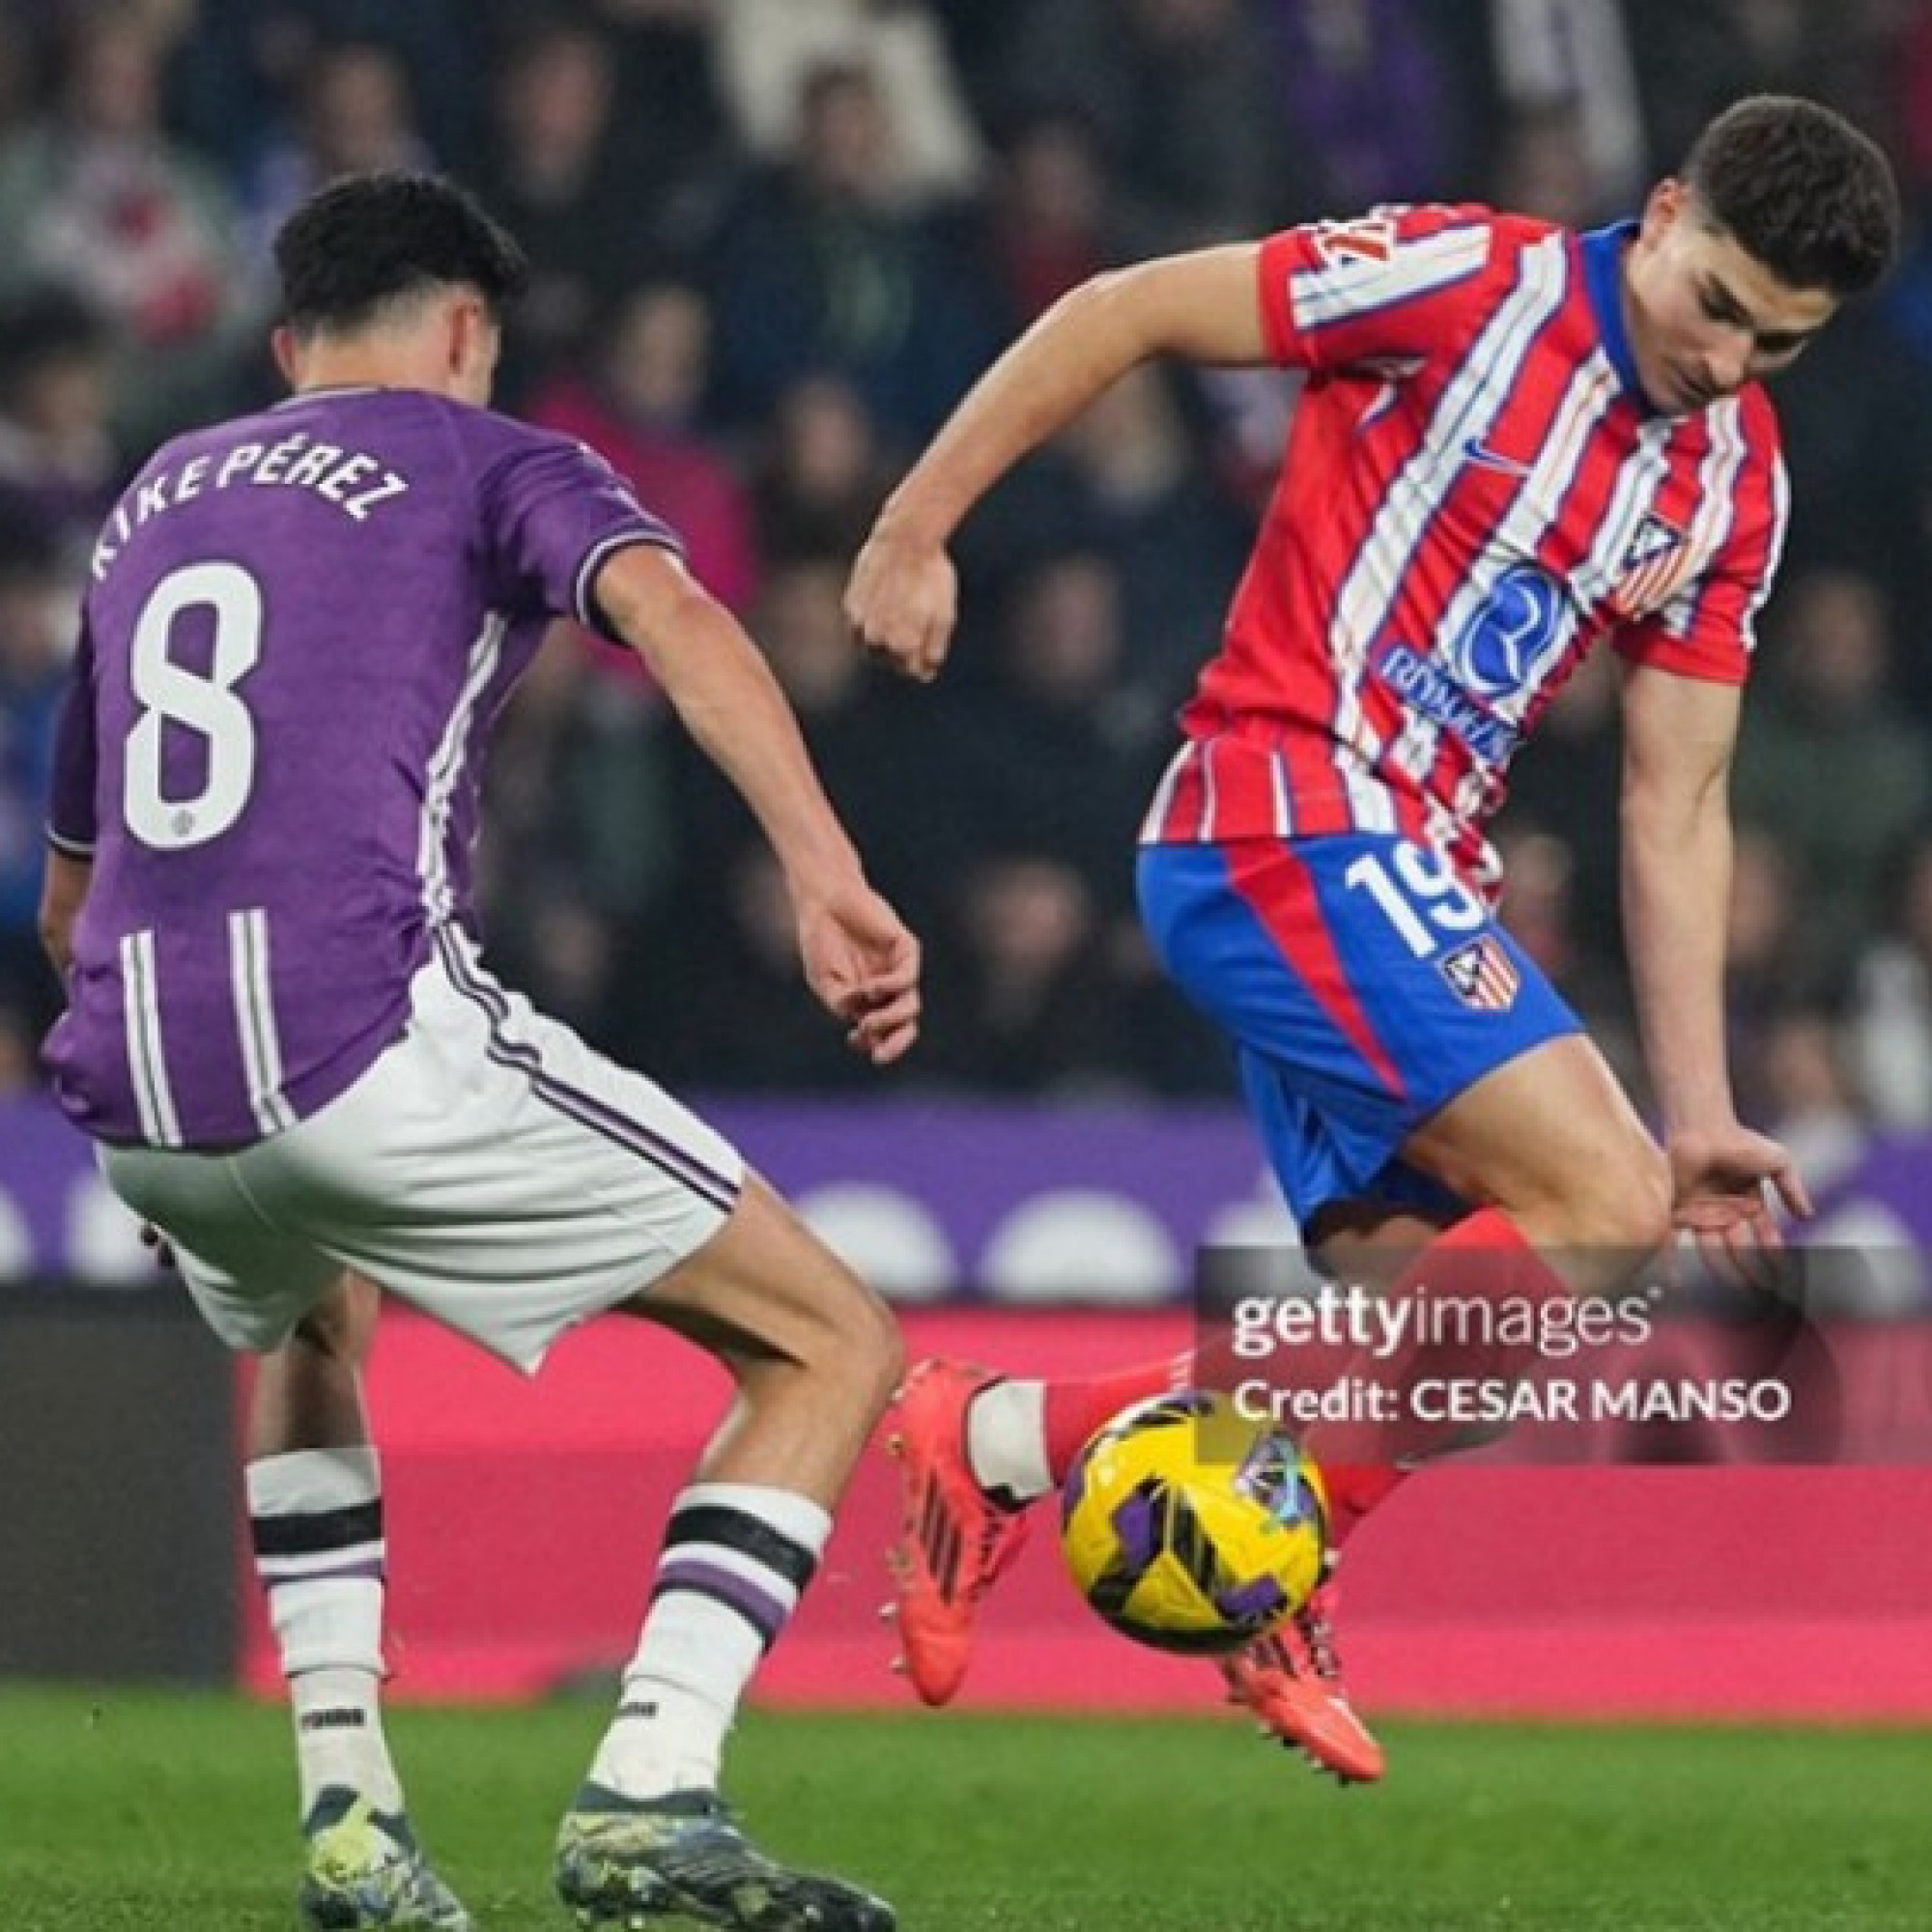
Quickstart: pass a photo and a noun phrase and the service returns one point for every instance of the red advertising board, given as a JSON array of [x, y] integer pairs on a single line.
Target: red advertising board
[[524, 1518]]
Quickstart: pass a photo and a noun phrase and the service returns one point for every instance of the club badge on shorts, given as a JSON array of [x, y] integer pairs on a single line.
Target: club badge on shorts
[[1482, 975]]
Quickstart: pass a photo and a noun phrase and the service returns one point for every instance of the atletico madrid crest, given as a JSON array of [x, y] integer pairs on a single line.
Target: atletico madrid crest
[[1482, 975], [1652, 568]]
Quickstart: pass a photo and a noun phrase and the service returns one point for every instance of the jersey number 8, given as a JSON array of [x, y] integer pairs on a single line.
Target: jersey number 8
[[209, 706]]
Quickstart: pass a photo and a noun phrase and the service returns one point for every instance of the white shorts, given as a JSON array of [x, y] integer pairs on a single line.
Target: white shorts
[[489, 1168]]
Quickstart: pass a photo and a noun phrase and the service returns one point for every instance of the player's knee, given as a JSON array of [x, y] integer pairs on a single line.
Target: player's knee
[[869, 1350], [1623, 1206], [342, 1324]]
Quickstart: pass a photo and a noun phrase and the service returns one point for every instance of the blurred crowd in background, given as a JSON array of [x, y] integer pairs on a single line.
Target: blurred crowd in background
[[774, 240]]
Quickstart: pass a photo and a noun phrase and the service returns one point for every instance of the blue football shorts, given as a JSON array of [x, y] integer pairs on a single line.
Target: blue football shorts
[[1365, 985]]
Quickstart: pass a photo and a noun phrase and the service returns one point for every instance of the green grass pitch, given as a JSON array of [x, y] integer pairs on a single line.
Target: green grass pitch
[[123, 1811]]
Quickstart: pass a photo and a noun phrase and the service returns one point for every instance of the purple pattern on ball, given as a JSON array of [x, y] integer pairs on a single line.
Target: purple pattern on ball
[[1137, 1524], [1259, 1601]]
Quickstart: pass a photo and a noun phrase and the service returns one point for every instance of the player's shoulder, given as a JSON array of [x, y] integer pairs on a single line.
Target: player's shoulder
[[1757, 422], [1473, 224]]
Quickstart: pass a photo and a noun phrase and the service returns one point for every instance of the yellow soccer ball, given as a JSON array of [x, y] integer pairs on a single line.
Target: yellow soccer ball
[[1192, 1528]]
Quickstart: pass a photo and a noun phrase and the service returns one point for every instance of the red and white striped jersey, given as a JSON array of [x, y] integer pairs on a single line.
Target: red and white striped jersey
[[1474, 493]]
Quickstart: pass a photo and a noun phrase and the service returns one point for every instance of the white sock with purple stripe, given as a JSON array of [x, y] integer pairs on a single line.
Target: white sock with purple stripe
[[315, 1520], [736, 1559]]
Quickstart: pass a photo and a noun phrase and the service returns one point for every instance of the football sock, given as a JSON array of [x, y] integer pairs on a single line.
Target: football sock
[[1006, 1441], [315, 1520], [736, 1558], [1072, 1412], [1355, 1490], [1487, 1258]]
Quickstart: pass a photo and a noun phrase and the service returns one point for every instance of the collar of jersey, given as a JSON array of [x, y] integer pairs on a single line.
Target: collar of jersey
[[1603, 277], [327, 389]]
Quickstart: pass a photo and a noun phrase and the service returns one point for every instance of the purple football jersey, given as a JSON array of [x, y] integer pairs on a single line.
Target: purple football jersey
[[300, 629]]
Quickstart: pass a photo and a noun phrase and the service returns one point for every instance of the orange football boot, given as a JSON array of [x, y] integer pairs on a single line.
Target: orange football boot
[[1291, 1681], [955, 1540]]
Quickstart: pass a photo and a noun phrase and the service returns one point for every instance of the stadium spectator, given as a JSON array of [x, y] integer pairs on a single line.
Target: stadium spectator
[[578, 848], [239, 70], [1186, 97], [1890, 1018], [553, 171], [59, 465], [36, 620], [95, 197], [1047, 221], [767, 49], [818, 472], [1566, 64], [1832, 767], [352, 115], [1369, 90], [640, 406], [820, 268], [1028, 1002], [1060, 745], [1774, 962]]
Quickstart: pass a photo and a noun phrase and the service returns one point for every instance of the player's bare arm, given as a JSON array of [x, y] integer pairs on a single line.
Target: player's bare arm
[[63, 893], [859, 959], [902, 599], [1678, 733]]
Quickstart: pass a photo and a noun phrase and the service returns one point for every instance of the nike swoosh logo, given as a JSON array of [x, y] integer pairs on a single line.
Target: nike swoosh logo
[[1477, 451]]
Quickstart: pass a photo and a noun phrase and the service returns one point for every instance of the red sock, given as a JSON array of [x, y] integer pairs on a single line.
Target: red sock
[[1485, 1254], [1355, 1491], [1074, 1411], [1486, 1258]]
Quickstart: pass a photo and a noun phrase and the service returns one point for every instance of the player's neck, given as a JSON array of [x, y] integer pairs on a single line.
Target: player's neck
[[369, 366]]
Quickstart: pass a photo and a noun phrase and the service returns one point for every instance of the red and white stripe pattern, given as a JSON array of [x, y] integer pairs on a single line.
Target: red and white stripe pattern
[[1465, 423]]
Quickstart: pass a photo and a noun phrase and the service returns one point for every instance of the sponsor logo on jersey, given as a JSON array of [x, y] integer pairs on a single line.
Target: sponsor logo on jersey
[[1507, 643], [1418, 681], [1482, 975]]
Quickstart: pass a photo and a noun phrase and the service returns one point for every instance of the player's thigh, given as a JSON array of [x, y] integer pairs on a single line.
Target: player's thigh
[[766, 1287], [1553, 1138], [251, 1281], [495, 1171]]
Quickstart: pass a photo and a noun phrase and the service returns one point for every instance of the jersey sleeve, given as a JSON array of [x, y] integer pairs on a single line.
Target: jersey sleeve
[[1708, 628], [70, 812], [1390, 286], [553, 511]]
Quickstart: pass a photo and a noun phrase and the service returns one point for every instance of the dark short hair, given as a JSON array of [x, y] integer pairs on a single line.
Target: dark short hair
[[1801, 190], [369, 241]]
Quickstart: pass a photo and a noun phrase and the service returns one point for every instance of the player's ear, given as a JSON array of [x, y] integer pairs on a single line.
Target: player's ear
[[472, 341], [282, 342], [1663, 205]]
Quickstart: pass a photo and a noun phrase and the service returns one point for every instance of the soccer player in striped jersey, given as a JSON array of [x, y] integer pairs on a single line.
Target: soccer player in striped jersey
[[281, 1032], [1516, 443]]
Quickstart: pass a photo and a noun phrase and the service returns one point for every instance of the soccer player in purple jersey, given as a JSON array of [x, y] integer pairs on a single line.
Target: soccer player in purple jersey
[[280, 1031]]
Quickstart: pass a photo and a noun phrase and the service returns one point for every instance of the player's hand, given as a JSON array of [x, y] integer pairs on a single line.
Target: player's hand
[[902, 602], [1727, 1186], [862, 964]]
